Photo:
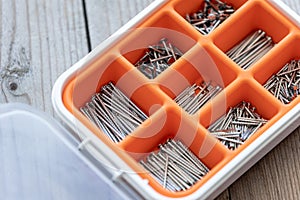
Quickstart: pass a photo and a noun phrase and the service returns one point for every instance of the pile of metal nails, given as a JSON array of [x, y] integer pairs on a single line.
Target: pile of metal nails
[[158, 58], [251, 49], [212, 15], [114, 113], [238, 125], [174, 166], [195, 96], [285, 85]]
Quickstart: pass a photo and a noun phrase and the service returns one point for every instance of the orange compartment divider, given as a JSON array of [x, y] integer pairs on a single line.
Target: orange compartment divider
[[175, 126], [203, 59], [257, 15]]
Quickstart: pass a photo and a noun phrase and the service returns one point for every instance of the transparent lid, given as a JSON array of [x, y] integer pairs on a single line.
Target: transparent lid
[[38, 160]]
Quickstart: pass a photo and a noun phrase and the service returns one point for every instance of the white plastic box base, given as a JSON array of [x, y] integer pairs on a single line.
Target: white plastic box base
[[213, 187]]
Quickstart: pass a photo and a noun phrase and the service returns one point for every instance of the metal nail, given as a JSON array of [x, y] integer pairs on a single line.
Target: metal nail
[[158, 58], [194, 97], [210, 17], [174, 166], [251, 49], [284, 85], [238, 125], [114, 113]]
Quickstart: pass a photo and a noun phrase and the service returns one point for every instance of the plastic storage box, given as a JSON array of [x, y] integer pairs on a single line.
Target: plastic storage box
[[40, 160], [204, 59]]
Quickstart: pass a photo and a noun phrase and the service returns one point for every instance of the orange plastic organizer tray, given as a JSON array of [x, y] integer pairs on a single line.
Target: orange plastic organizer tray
[[204, 59]]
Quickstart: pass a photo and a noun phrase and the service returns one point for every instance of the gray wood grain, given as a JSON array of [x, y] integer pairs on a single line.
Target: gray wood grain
[[276, 176], [45, 36], [107, 16], [294, 4]]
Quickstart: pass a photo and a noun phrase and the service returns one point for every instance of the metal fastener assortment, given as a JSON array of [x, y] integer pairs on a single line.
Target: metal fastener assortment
[[195, 96], [158, 58], [114, 113], [212, 15], [255, 34], [285, 85], [251, 49], [174, 166], [238, 125]]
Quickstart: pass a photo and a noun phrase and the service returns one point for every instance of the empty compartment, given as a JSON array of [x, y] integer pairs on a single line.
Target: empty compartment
[[114, 110], [214, 13], [270, 76], [141, 42], [243, 93], [205, 66], [256, 16], [204, 148]]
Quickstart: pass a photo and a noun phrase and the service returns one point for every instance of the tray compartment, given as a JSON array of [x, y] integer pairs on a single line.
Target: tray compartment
[[272, 66], [178, 127], [257, 15], [189, 7], [119, 72], [242, 90], [204, 59], [202, 63], [162, 26]]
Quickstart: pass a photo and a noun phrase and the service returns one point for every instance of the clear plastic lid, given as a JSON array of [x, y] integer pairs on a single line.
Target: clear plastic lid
[[38, 160]]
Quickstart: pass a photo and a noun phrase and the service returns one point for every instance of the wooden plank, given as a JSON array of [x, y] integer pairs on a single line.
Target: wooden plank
[[294, 4], [107, 16], [276, 176], [45, 36], [225, 195]]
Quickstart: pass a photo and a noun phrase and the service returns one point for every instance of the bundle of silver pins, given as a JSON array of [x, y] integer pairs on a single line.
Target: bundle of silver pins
[[285, 85], [238, 125], [251, 49], [212, 15], [158, 58], [114, 113], [195, 96], [174, 166]]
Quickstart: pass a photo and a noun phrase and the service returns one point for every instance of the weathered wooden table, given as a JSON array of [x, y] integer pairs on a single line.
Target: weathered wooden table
[[40, 39]]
